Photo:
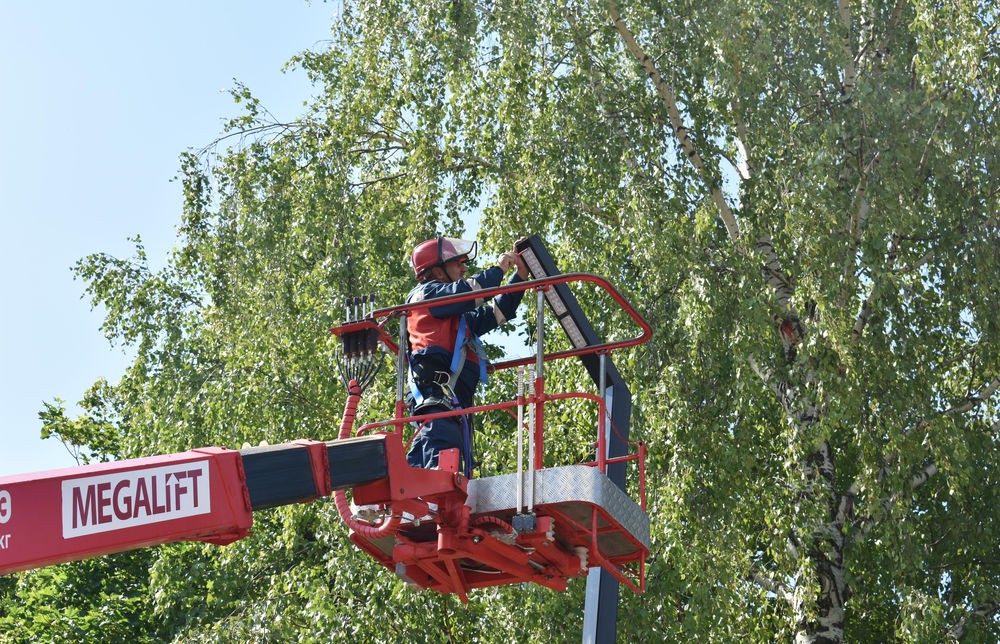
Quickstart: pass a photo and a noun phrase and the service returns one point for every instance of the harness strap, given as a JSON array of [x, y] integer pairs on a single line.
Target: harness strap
[[458, 355], [418, 398]]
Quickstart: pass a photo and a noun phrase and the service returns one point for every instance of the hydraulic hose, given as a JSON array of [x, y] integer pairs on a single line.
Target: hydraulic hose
[[350, 409], [340, 496]]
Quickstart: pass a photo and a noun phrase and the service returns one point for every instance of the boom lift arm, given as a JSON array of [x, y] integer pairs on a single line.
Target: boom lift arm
[[434, 528]]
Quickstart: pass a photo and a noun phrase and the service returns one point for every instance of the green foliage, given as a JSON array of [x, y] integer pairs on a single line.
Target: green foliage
[[99, 599], [865, 439], [94, 435]]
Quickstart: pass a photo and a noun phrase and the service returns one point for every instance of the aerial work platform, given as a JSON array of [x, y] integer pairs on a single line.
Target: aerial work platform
[[579, 497], [540, 524]]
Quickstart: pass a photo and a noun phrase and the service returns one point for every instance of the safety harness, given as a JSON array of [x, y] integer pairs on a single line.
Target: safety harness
[[450, 400]]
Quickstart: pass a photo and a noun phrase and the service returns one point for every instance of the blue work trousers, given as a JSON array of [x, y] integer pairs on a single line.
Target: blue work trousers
[[436, 435]]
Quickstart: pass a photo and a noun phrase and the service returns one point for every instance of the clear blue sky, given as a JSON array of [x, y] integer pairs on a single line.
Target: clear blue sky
[[97, 100]]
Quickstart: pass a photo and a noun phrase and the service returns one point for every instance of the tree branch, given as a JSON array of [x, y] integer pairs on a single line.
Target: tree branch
[[742, 136], [897, 11], [968, 403], [371, 182], [864, 524], [925, 157], [861, 204], [676, 122], [738, 164], [845, 508], [866, 309], [604, 100], [767, 376], [850, 78], [386, 136], [772, 586], [989, 564], [986, 611], [775, 277], [260, 129]]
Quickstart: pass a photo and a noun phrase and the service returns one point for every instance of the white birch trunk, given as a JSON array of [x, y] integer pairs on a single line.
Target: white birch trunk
[[820, 616]]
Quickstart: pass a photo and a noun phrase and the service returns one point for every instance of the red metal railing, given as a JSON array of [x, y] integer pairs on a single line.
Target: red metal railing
[[540, 284]]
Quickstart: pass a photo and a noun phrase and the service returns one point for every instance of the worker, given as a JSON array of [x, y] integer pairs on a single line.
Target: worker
[[446, 358]]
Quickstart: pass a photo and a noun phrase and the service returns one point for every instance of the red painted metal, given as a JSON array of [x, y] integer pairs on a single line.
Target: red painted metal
[[539, 284], [366, 324], [319, 461], [75, 513]]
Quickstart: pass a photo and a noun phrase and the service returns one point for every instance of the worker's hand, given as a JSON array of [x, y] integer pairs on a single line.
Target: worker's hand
[[507, 260]]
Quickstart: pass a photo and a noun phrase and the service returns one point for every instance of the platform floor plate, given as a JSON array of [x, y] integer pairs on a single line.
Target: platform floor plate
[[571, 487]]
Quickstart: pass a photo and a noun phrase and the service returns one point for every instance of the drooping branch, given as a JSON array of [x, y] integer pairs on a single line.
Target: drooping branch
[[867, 307], [468, 160], [600, 91], [865, 314], [859, 211], [925, 157], [363, 185], [967, 403], [776, 279], [258, 131]]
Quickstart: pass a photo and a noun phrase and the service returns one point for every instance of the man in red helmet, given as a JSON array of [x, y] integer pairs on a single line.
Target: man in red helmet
[[446, 359]]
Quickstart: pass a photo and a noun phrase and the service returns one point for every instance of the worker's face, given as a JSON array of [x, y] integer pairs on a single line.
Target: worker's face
[[455, 270]]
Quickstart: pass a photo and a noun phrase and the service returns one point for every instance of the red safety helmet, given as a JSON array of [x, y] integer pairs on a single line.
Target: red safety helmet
[[435, 252]]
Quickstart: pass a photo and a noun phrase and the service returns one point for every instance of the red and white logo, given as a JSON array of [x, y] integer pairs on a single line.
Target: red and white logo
[[5, 510], [137, 497]]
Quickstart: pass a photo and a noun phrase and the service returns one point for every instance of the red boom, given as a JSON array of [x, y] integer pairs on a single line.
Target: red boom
[[70, 514]]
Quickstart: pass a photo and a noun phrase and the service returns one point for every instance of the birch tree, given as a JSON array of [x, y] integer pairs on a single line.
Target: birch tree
[[802, 199]]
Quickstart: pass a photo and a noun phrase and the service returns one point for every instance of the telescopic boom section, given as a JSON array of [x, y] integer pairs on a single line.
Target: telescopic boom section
[[200, 495]]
